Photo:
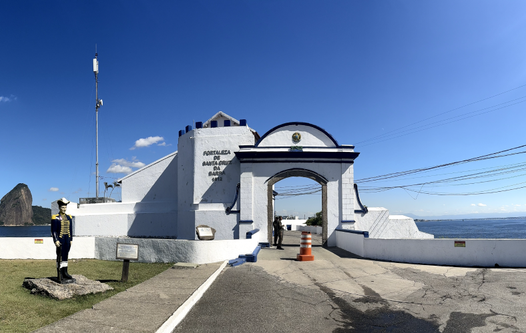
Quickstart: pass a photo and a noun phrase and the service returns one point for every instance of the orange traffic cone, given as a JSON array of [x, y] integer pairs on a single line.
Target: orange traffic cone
[[305, 247]]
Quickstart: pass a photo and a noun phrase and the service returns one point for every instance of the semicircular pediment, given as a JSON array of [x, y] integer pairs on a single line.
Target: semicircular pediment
[[297, 134]]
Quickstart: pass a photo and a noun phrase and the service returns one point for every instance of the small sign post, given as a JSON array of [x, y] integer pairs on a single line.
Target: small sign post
[[127, 252]]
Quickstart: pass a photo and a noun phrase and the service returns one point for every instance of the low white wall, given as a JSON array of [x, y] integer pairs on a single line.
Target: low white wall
[[150, 250], [350, 242], [477, 252], [141, 219], [28, 248], [311, 229], [178, 250]]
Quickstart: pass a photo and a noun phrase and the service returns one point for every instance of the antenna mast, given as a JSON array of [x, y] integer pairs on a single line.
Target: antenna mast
[[98, 103]]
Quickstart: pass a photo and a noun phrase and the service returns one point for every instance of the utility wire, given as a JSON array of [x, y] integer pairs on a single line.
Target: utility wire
[[467, 178], [410, 131], [446, 121], [498, 154]]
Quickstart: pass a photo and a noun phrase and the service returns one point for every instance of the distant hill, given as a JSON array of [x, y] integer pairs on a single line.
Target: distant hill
[[41, 215], [16, 208]]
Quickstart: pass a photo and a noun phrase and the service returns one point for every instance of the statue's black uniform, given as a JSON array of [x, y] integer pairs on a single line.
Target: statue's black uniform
[[62, 232]]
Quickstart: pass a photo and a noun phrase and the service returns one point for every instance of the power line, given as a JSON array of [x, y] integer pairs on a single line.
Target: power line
[[286, 192], [498, 154], [443, 122], [467, 178], [410, 130]]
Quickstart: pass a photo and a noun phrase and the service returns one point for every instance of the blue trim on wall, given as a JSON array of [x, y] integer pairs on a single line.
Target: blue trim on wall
[[299, 160], [245, 221], [298, 123], [314, 156], [296, 172], [348, 221], [252, 233], [364, 233], [364, 208]]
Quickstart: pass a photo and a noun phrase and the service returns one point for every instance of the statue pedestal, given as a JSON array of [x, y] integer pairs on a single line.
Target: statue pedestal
[[79, 285]]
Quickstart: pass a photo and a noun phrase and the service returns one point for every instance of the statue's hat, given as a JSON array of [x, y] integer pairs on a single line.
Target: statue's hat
[[63, 201]]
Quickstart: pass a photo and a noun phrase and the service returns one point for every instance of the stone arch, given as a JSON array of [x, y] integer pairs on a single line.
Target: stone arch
[[296, 172], [303, 150]]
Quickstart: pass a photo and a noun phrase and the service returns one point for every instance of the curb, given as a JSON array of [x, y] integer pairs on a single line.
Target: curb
[[183, 310]]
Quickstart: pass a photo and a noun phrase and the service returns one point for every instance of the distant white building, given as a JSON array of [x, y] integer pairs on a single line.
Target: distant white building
[[223, 175]]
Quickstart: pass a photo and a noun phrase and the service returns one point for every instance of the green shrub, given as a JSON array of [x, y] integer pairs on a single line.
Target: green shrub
[[317, 220]]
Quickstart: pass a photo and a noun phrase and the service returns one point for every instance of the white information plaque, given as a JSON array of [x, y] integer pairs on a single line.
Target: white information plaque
[[205, 232], [127, 251]]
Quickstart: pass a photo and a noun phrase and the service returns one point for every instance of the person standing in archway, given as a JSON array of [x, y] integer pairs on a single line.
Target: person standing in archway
[[278, 232]]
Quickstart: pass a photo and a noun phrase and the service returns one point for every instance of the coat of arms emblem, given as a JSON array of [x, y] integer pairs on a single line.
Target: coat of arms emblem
[[296, 137]]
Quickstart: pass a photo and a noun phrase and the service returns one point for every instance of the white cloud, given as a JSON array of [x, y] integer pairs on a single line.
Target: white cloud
[[145, 142], [115, 168], [133, 164], [7, 99], [53, 189], [481, 205], [121, 165]]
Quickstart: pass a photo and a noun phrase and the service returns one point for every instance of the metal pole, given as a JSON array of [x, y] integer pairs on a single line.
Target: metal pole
[[97, 131]]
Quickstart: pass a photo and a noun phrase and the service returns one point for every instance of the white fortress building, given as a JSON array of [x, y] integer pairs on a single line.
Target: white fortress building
[[223, 175]]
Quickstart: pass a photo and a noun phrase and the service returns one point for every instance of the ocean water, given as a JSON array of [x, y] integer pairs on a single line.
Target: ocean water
[[33, 231], [498, 228]]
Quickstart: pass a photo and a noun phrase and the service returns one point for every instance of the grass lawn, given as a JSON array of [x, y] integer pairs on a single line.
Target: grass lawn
[[22, 312]]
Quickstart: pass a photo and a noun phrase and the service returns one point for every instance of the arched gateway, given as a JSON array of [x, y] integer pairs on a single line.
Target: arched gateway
[[297, 149], [222, 175]]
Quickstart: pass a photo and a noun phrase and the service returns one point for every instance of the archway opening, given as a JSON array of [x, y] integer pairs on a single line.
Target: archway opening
[[299, 192]]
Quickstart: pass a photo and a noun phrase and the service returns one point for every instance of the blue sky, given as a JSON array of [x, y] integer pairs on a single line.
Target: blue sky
[[411, 84]]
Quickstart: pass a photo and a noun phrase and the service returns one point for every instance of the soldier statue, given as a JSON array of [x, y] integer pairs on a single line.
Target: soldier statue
[[62, 232]]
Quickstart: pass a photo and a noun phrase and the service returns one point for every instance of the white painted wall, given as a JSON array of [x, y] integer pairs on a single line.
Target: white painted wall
[[295, 224], [155, 182], [25, 248], [260, 173], [310, 137], [380, 224], [150, 250], [478, 252], [179, 250], [149, 207], [312, 229], [193, 186], [208, 176], [351, 242]]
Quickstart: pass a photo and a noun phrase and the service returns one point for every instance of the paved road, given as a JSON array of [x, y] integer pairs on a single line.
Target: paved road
[[342, 293]]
